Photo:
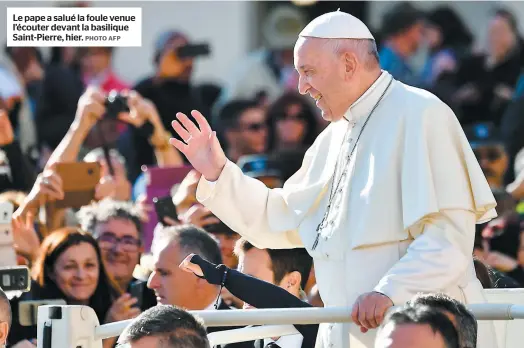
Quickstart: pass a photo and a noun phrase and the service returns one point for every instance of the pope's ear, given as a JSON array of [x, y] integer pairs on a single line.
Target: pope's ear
[[350, 64]]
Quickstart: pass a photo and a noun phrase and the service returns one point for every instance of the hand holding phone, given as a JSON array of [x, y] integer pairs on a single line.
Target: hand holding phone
[[136, 290], [79, 181], [165, 208]]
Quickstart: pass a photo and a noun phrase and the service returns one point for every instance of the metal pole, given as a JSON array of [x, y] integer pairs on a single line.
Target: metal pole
[[485, 311]]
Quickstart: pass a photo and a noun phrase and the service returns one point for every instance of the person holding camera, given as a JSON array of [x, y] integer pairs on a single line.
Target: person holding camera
[[169, 89], [91, 108], [133, 109]]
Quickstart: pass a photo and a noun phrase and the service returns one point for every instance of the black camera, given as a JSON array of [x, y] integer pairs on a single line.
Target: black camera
[[115, 104], [15, 278], [193, 51]]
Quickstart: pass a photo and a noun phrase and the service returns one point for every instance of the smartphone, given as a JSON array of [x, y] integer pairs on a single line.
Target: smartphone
[[137, 290], [192, 51], [79, 182], [28, 310], [15, 278], [165, 207], [7, 250], [159, 184]]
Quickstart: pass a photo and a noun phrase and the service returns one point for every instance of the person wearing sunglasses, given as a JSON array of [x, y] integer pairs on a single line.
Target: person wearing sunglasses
[[243, 127], [489, 149]]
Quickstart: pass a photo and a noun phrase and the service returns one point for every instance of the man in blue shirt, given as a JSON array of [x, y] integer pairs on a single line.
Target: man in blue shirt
[[402, 29]]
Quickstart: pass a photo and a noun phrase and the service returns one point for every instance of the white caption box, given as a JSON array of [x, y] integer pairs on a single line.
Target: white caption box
[[76, 27]]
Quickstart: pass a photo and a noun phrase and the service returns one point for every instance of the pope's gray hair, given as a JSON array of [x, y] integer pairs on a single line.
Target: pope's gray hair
[[365, 49]]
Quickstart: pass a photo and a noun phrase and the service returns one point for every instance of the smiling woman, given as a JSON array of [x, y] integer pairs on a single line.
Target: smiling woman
[[68, 266]]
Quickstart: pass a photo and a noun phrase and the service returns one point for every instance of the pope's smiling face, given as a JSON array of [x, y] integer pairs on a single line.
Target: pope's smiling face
[[323, 75]]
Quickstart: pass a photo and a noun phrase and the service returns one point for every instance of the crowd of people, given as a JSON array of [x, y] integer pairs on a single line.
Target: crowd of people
[[59, 111]]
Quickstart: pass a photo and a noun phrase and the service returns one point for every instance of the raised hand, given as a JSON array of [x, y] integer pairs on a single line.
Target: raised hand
[[200, 145], [191, 267]]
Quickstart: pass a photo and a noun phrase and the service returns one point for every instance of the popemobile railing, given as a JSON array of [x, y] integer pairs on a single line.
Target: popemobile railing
[[78, 326]]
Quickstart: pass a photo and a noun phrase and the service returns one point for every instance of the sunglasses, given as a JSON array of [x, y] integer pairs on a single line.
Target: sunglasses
[[108, 241], [490, 154]]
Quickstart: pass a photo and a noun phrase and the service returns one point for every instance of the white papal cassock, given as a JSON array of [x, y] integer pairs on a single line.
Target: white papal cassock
[[403, 219]]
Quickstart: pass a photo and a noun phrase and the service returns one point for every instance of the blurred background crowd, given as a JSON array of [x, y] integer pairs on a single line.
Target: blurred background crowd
[[83, 165]]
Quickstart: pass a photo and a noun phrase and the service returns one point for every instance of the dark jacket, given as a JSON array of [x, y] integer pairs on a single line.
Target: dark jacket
[[489, 107], [257, 293], [23, 174], [56, 107]]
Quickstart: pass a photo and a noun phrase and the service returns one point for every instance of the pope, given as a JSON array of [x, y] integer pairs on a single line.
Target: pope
[[386, 200]]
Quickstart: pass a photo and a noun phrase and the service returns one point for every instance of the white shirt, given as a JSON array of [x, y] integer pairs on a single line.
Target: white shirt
[[289, 341], [404, 221]]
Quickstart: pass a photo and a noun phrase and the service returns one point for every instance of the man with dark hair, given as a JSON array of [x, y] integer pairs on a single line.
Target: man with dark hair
[[166, 327], [415, 327], [402, 28], [280, 264], [172, 285], [243, 126], [117, 228], [464, 321], [286, 268], [5, 318]]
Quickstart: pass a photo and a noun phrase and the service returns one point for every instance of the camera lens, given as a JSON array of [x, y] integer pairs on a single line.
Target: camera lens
[[90, 171]]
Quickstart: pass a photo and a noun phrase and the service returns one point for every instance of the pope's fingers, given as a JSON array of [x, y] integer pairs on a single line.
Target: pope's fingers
[[366, 314], [182, 147], [188, 124], [181, 131], [202, 122], [371, 316], [354, 313]]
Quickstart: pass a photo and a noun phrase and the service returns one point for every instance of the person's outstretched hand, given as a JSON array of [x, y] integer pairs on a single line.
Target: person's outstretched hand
[[191, 267], [200, 145]]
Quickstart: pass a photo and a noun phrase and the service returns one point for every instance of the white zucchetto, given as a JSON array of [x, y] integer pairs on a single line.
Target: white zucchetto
[[337, 25]]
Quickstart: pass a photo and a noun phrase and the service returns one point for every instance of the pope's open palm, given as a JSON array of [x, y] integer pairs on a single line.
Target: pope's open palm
[[200, 145]]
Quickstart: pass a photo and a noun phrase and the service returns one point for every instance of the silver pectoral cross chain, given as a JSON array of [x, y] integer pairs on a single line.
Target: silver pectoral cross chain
[[335, 188]]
